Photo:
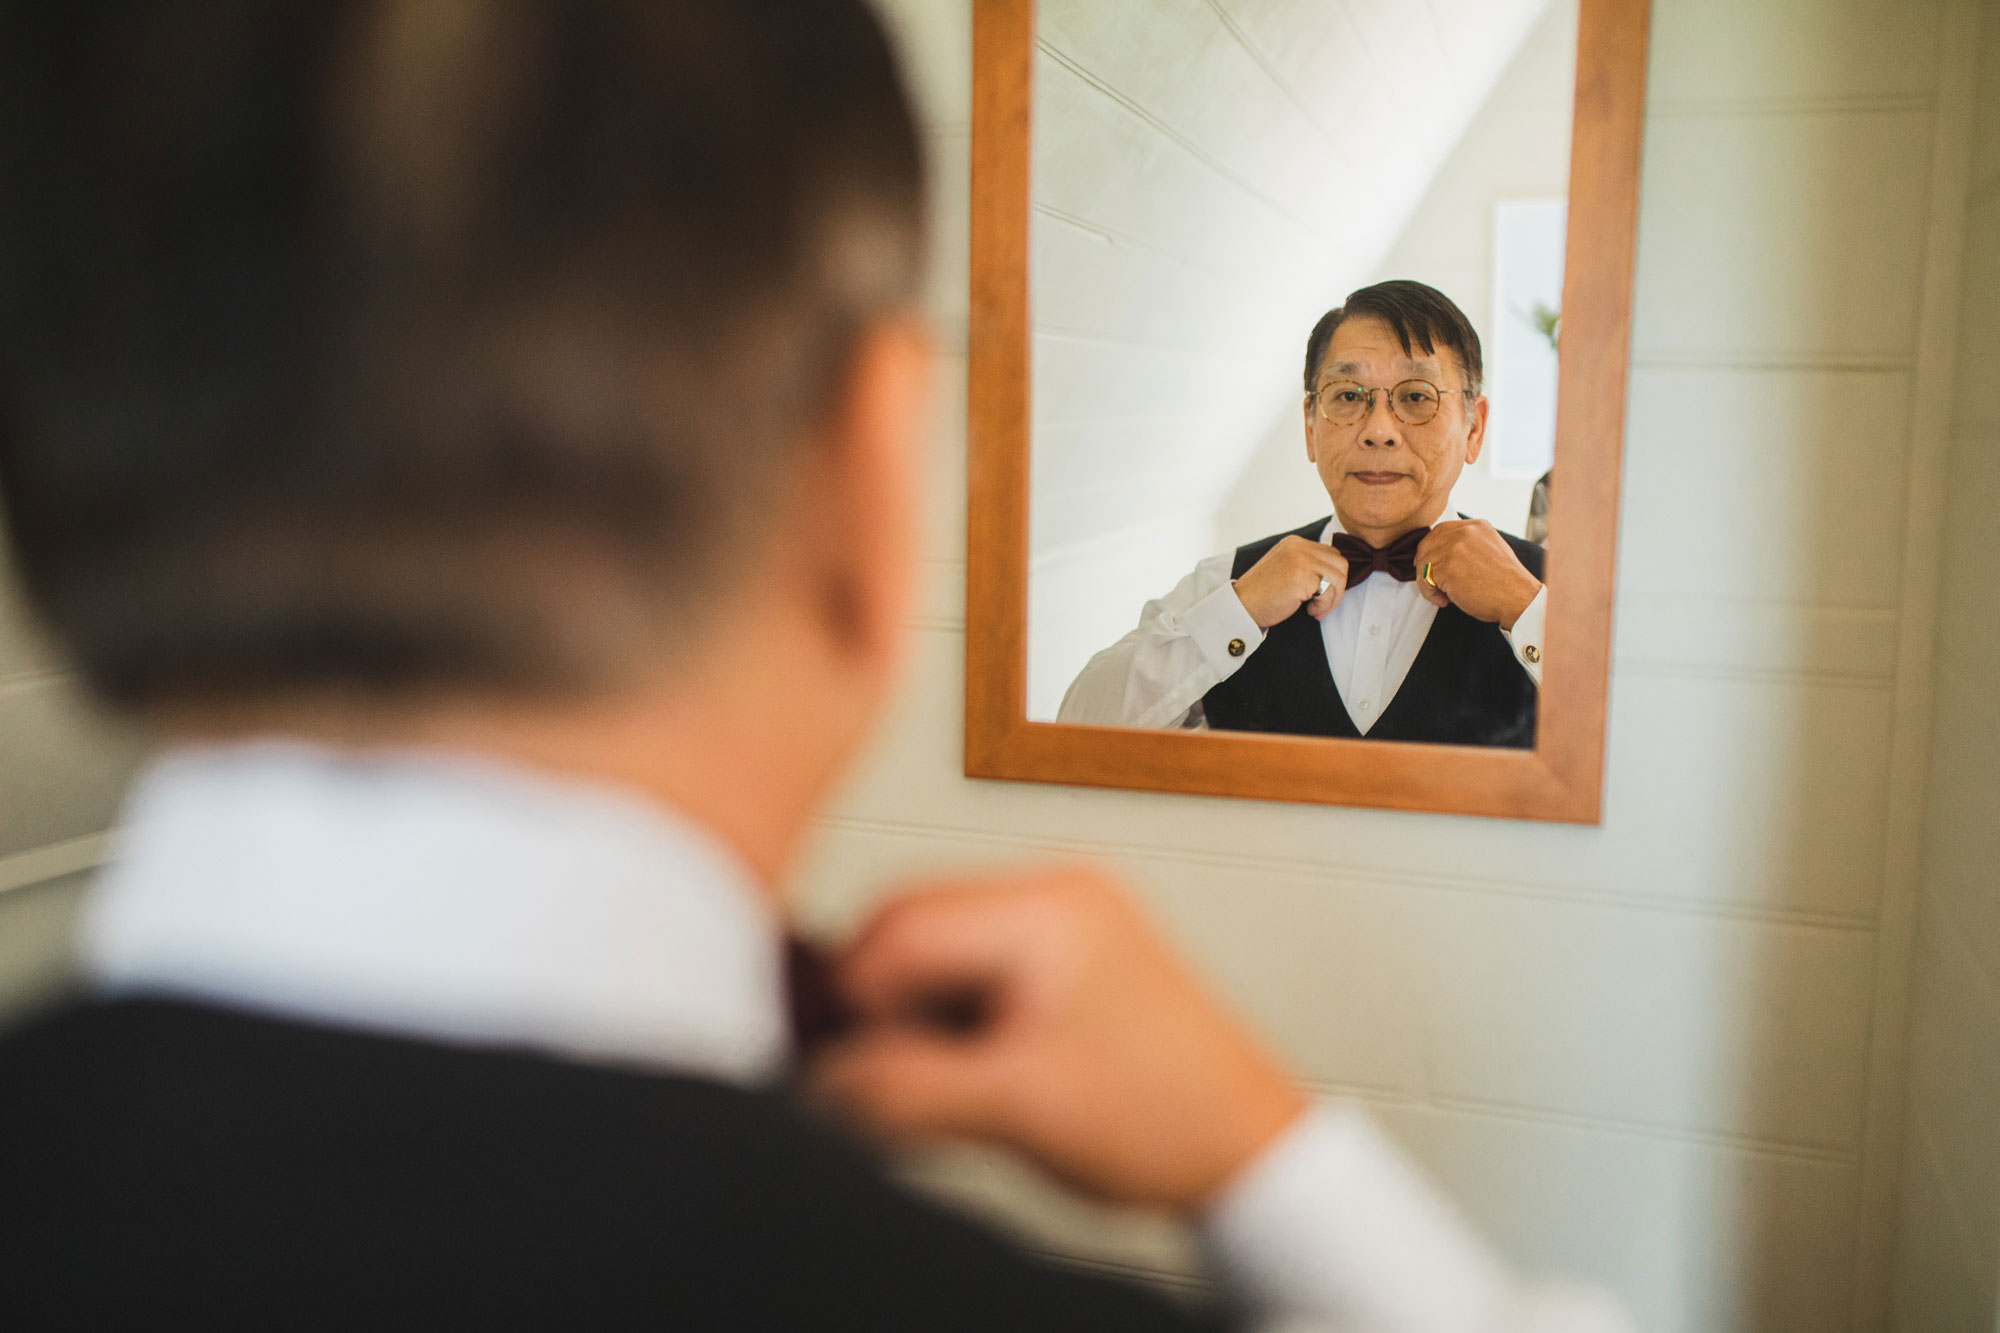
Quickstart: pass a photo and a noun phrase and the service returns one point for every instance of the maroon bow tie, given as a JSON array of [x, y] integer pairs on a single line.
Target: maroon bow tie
[[818, 1012], [1398, 559]]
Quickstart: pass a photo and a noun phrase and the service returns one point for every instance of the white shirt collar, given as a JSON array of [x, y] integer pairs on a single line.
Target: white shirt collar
[[1334, 525], [441, 897]]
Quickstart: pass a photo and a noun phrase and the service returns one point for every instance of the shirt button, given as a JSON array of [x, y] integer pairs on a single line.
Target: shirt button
[[1532, 653], [1236, 647], [1374, 629], [1366, 704]]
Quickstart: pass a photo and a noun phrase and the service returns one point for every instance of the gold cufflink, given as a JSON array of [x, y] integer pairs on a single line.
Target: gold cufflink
[[1532, 653], [1236, 647]]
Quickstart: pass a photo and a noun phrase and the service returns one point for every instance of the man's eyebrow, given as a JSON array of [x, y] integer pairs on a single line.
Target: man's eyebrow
[[1427, 365]]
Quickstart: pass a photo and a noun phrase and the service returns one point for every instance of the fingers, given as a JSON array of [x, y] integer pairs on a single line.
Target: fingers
[[904, 1082], [1436, 559], [1110, 1066], [1328, 569], [1437, 541], [934, 942]]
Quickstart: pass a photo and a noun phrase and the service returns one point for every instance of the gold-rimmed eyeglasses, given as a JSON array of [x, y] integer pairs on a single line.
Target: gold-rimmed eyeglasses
[[1415, 402]]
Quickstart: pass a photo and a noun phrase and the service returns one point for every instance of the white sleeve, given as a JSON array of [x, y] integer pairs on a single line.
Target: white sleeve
[[1187, 643], [1526, 636], [1332, 1228]]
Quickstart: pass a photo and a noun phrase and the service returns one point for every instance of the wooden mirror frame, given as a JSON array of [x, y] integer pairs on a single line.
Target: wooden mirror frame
[[1562, 777]]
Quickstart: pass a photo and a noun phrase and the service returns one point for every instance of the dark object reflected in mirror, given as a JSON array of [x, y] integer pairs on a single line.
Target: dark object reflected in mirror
[[1536, 529]]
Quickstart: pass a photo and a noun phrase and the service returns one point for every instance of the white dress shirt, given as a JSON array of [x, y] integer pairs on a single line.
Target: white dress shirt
[[452, 899], [1154, 676]]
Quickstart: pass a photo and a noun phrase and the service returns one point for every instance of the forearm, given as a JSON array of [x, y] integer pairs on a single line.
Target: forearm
[[1155, 674]]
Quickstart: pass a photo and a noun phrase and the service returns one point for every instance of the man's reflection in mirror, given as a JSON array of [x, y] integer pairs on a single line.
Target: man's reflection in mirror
[[1537, 529], [1386, 620]]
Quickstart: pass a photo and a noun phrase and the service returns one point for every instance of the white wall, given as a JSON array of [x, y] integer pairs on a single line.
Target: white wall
[[1664, 1053], [1948, 1257]]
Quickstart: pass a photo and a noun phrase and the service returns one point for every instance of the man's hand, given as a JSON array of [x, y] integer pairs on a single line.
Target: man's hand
[[1290, 574], [1475, 570], [1098, 1054]]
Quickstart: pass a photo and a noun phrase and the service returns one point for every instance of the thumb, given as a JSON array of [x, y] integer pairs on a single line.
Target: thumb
[[905, 1082]]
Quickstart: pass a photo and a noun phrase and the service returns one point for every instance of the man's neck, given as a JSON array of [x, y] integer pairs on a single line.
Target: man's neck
[[666, 750]]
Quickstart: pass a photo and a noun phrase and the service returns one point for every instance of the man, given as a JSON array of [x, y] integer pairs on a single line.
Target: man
[[480, 437], [1386, 620]]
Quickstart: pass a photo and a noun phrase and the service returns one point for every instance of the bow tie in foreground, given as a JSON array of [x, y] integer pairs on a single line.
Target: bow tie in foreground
[[1398, 559], [820, 1014]]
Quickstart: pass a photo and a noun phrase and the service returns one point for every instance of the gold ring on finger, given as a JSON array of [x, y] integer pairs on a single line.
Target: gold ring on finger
[[1427, 574]]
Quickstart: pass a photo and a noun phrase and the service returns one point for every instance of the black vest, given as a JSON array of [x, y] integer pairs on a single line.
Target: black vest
[[1465, 688], [168, 1165]]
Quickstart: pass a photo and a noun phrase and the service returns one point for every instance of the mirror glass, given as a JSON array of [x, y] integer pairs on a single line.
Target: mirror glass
[[1225, 531]]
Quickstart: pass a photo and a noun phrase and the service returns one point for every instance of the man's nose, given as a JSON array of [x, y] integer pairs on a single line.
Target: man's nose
[[1380, 429]]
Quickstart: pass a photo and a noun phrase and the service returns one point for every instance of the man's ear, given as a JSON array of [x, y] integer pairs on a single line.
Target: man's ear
[[1312, 452], [864, 496], [1475, 435]]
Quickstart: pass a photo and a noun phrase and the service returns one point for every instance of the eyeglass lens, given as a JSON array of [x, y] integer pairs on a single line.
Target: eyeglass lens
[[1413, 401]]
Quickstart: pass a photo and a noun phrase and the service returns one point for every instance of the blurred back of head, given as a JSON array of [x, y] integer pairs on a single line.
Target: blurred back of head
[[449, 345]]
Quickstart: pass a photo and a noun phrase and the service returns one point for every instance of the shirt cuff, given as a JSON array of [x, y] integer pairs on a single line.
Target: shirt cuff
[[1222, 630], [1526, 636], [1330, 1222]]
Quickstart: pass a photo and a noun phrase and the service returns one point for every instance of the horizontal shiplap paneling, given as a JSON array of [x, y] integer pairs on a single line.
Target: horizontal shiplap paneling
[[1785, 487], [1797, 235], [1775, 52], [1796, 828], [1696, 1237], [1628, 1017]]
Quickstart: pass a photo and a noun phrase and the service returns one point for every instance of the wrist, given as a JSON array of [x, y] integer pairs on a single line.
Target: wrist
[[1235, 586], [1517, 606], [1264, 1115]]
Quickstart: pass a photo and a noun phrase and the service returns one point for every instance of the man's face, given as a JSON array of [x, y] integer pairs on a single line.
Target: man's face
[[1385, 476]]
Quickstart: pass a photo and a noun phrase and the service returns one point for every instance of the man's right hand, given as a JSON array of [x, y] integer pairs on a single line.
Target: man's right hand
[[1098, 1054], [1289, 576]]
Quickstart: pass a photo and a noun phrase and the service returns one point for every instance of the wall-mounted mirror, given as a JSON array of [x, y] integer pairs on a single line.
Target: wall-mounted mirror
[[1298, 357]]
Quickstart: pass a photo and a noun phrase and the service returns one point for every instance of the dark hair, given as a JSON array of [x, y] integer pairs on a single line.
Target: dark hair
[[395, 347], [1419, 316]]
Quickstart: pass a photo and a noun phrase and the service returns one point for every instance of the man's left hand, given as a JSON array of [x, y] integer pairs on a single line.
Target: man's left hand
[[1473, 568]]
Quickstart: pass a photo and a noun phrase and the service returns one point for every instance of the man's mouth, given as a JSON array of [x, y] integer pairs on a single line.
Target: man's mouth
[[1379, 478]]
